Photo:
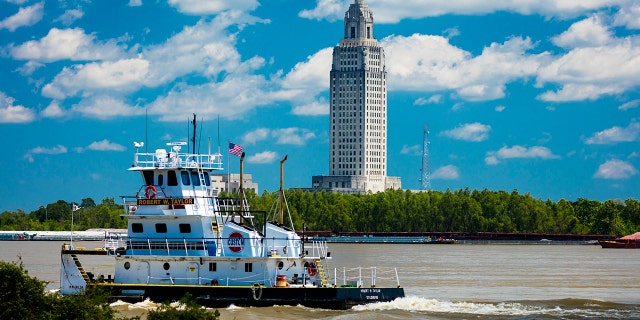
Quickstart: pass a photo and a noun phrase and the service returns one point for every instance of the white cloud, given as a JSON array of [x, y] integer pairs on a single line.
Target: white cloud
[[589, 32], [500, 108], [628, 16], [448, 172], [210, 7], [105, 107], [63, 44], [122, 75], [59, 149], [256, 135], [629, 105], [135, 3], [52, 111], [615, 169], [434, 99], [394, 11], [431, 63], [616, 134], [414, 150], [519, 152], [70, 16], [591, 72], [10, 113], [474, 132], [262, 157], [314, 108], [26, 16], [293, 135], [105, 145]]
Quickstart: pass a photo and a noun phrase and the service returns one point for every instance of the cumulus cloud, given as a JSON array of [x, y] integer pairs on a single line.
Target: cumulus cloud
[[434, 99], [431, 63], [615, 169], [210, 7], [448, 172], [519, 152], [105, 107], [293, 135], [411, 150], [616, 134], [58, 149], [393, 11], [11, 113], [262, 157], [26, 16], [122, 75], [70, 16], [589, 32], [474, 132], [53, 110], [66, 44], [105, 145], [629, 105]]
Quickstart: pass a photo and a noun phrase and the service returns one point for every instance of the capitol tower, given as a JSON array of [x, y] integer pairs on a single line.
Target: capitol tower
[[358, 110]]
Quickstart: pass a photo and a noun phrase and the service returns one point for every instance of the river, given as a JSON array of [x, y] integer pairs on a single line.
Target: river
[[459, 281]]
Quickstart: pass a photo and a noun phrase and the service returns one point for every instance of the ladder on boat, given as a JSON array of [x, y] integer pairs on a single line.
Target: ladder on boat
[[84, 274], [324, 282]]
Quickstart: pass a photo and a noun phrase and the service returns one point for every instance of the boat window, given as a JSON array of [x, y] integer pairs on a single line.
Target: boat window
[[280, 265], [212, 266], [166, 266], [136, 227], [127, 265], [148, 177], [161, 228], [248, 267], [172, 179], [195, 179], [185, 178], [160, 180], [185, 228], [207, 180]]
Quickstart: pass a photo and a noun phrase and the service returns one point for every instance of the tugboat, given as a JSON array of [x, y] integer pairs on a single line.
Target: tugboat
[[182, 237]]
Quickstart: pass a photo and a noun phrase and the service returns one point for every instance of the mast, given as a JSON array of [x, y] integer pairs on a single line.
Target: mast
[[193, 139], [241, 189], [281, 193]]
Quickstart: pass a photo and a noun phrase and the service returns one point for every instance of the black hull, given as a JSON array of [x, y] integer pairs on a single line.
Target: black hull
[[220, 296]]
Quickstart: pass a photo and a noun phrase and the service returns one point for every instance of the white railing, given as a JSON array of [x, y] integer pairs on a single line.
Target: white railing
[[355, 277], [162, 159]]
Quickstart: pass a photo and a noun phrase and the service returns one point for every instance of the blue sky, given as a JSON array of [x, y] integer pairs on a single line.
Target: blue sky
[[538, 96]]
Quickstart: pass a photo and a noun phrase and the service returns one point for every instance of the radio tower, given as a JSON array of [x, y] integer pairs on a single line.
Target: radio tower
[[425, 180]]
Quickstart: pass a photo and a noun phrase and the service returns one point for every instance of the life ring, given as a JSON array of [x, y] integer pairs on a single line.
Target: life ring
[[312, 269], [150, 192]]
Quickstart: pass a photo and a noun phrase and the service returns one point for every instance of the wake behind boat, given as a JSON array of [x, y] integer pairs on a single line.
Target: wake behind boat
[[182, 237]]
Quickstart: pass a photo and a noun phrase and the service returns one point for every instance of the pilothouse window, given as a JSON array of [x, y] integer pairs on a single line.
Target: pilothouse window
[[185, 178], [172, 179], [185, 228], [194, 178], [148, 177]]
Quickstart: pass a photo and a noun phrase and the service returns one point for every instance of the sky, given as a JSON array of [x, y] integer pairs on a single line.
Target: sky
[[538, 96]]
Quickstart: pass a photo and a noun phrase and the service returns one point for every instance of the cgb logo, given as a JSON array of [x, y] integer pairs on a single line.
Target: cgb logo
[[235, 242]]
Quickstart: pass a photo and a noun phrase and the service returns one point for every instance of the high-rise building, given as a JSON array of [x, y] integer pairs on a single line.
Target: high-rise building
[[358, 110]]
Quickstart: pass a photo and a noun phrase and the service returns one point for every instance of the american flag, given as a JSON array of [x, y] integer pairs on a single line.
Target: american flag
[[235, 149]]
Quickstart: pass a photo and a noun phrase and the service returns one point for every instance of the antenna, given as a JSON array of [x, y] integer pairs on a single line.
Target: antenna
[[425, 180]]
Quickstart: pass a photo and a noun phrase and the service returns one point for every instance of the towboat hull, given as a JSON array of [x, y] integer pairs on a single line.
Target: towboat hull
[[255, 296]]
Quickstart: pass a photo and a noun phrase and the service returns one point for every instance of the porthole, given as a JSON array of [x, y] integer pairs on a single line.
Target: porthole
[[166, 266], [127, 265], [280, 265]]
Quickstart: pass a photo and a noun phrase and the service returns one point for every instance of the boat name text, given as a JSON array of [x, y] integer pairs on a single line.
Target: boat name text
[[160, 202]]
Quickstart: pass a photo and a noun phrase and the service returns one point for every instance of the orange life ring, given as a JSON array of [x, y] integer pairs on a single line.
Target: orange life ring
[[312, 269], [150, 192]]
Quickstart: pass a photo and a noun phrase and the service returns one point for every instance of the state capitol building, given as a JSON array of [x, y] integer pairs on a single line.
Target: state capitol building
[[358, 111]]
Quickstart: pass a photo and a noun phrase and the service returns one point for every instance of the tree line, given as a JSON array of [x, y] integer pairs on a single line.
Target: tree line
[[461, 210]]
